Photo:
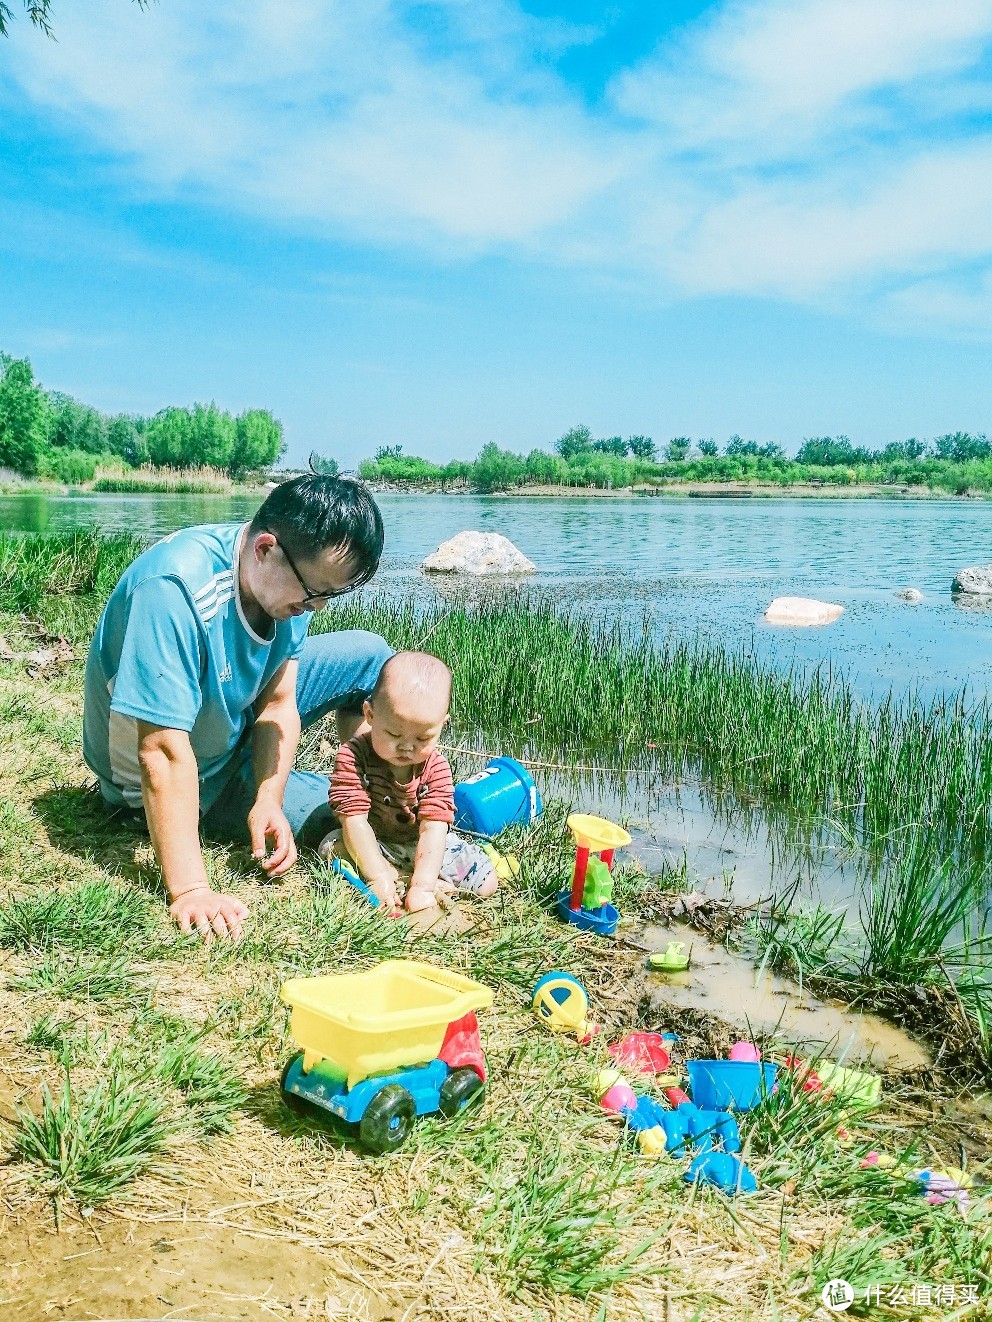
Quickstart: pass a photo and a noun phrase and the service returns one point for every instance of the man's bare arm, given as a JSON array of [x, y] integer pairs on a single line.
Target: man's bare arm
[[170, 790]]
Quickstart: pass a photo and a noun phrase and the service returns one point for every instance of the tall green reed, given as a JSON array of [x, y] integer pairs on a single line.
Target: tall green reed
[[542, 681]]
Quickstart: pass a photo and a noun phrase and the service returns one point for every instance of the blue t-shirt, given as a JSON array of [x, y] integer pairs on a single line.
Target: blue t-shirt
[[173, 647]]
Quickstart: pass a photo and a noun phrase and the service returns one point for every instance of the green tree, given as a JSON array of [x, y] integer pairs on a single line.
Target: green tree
[[187, 438], [961, 447], [677, 449], [126, 438], [496, 469], [71, 466], [709, 448], [76, 426], [642, 447], [543, 468], [832, 452], [40, 14], [258, 442], [170, 438], [612, 445], [896, 450], [738, 447], [575, 440], [24, 417]]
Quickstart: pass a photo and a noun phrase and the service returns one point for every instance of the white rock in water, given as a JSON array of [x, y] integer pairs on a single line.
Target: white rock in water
[[478, 553], [911, 595], [803, 612], [977, 580]]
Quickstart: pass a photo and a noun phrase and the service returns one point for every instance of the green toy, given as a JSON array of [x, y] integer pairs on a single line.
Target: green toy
[[599, 884]]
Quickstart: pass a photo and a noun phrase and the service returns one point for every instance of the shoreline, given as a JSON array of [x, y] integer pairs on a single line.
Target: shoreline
[[730, 490], [712, 490]]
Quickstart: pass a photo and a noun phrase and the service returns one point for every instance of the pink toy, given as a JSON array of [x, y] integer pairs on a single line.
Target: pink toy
[[644, 1052], [620, 1099], [745, 1051]]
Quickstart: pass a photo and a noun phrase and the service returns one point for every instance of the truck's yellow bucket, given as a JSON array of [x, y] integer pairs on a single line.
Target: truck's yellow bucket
[[388, 1017]]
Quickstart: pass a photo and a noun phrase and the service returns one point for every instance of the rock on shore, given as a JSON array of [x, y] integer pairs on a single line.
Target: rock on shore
[[976, 581], [478, 553], [802, 612]]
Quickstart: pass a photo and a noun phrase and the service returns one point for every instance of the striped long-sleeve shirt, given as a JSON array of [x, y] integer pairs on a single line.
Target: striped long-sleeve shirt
[[362, 784]]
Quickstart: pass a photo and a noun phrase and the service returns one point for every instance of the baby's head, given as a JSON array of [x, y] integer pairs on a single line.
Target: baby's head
[[408, 707]]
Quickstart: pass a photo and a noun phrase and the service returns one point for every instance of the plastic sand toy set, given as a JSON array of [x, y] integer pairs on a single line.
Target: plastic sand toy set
[[401, 1040]]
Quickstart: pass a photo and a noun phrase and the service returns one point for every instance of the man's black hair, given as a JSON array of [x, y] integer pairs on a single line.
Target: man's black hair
[[311, 513]]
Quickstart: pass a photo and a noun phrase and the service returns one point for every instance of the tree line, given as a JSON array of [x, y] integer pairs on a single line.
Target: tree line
[[48, 434], [957, 462]]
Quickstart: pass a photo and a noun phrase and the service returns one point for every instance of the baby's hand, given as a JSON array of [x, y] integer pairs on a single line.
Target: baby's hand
[[420, 897], [387, 893]]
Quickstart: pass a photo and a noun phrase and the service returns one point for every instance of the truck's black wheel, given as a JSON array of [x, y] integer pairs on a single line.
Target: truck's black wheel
[[388, 1119], [459, 1088]]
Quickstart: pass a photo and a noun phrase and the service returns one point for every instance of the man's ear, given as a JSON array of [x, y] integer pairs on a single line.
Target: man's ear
[[263, 544], [367, 711]]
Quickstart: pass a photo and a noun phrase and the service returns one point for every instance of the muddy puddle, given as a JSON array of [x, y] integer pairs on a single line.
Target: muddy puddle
[[728, 987]]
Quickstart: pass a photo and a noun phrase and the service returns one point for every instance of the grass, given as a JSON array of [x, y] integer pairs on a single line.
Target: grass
[[562, 1225], [44, 569], [101, 916], [534, 1205], [103, 978], [539, 681], [210, 1084], [88, 1145], [535, 679], [175, 481]]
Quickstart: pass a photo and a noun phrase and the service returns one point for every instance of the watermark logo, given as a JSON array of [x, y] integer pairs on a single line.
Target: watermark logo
[[838, 1295]]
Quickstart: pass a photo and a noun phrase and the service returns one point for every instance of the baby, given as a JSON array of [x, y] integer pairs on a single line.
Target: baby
[[391, 791]]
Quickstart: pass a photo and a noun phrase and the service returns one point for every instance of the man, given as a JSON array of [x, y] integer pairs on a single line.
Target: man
[[200, 678]]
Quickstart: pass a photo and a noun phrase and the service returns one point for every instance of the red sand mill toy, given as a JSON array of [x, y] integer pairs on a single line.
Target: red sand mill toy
[[587, 905]]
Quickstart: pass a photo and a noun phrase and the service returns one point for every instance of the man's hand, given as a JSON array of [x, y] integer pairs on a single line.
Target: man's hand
[[208, 912], [268, 821]]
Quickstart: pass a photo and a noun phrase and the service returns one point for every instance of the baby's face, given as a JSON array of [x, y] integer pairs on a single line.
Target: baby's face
[[404, 731]]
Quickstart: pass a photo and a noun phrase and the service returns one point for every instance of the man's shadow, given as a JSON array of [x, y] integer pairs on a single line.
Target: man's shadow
[[79, 822]]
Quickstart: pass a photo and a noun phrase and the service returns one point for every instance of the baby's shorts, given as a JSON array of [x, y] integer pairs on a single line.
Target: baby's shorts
[[465, 865]]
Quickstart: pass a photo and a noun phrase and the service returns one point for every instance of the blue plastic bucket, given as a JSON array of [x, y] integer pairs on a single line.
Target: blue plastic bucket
[[718, 1085], [502, 794]]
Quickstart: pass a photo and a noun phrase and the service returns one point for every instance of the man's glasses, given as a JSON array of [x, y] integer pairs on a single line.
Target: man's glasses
[[307, 594]]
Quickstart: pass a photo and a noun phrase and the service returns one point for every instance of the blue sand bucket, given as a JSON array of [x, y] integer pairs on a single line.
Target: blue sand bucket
[[718, 1085], [502, 794]]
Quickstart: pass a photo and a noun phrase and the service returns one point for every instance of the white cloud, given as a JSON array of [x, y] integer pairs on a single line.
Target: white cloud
[[337, 115], [765, 78], [829, 151]]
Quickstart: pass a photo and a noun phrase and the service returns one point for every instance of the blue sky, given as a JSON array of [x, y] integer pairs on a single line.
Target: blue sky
[[443, 224]]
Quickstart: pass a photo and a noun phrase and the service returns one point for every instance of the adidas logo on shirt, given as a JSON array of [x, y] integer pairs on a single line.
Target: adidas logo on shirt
[[225, 674]]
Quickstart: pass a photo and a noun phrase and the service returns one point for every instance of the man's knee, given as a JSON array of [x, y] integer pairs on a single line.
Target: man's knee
[[375, 652], [338, 671]]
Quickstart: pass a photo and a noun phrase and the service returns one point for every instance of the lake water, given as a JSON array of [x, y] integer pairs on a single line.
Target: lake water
[[687, 566]]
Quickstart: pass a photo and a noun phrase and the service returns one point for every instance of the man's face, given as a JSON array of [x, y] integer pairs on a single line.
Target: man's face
[[283, 585]]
